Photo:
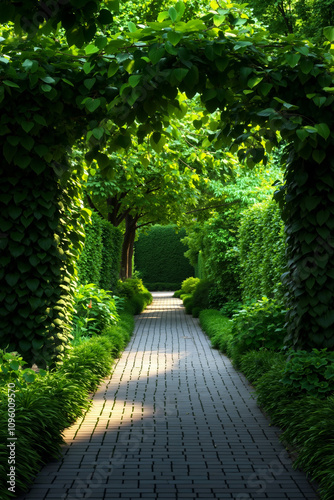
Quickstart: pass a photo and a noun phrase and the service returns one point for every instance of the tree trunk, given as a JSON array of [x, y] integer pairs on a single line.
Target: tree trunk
[[127, 249]]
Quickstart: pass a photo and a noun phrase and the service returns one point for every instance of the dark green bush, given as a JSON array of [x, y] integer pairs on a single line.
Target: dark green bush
[[217, 328], [159, 256], [254, 364], [138, 297], [90, 261], [94, 309], [178, 293], [260, 325], [310, 372], [201, 294], [262, 251], [309, 427], [112, 239], [195, 312], [188, 303], [161, 286]]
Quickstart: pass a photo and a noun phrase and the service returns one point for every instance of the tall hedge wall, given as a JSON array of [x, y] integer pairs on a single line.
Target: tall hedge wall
[[262, 251], [100, 259], [159, 257]]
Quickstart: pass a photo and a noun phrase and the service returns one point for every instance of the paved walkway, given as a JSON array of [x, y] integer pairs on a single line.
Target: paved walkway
[[174, 421]]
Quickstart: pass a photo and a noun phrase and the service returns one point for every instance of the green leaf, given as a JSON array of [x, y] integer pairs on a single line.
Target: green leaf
[[98, 132], [267, 112], [252, 82], [155, 53], [292, 59], [112, 69], [105, 17], [14, 364], [174, 37], [11, 84], [12, 279], [103, 160], [91, 49], [92, 104], [32, 284], [37, 344], [89, 83], [172, 14], [163, 16], [27, 142], [45, 243], [318, 155], [132, 27], [323, 130], [46, 88], [329, 33], [306, 66], [218, 20], [27, 126], [134, 80]]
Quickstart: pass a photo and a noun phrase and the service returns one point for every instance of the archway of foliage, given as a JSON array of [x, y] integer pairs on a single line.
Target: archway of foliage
[[116, 86]]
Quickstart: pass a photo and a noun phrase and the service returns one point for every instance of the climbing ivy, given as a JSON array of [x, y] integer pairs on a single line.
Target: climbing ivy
[[262, 251]]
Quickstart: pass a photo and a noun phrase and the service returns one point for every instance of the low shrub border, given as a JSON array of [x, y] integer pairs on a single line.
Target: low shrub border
[[45, 407], [306, 420]]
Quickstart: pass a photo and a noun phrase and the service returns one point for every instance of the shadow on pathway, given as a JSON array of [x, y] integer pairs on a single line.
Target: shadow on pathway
[[173, 421]]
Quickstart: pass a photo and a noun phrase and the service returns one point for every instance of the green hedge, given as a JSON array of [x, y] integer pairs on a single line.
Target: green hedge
[[100, 260], [52, 402], [159, 256], [262, 251]]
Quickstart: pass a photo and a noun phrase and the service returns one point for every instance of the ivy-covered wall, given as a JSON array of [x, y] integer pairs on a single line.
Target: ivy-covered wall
[[100, 259], [159, 256], [40, 239], [262, 251]]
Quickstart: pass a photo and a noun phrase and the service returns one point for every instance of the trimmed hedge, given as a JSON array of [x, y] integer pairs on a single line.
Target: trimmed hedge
[[100, 260], [262, 251], [159, 256]]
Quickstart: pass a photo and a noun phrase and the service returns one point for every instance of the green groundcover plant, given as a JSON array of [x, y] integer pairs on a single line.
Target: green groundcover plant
[[47, 402]]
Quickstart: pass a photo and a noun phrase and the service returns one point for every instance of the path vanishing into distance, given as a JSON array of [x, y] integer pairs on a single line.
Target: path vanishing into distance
[[174, 421]]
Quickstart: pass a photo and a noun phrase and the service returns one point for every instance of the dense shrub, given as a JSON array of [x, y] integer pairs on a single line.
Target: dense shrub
[[161, 286], [159, 256], [262, 251], [189, 285], [254, 364], [94, 309], [138, 297], [100, 260], [52, 401], [260, 325], [112, 239], [217, 327], [90, 261], [310, 372]]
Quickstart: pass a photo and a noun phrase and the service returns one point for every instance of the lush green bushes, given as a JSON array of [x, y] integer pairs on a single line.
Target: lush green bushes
[[262, 251], [295, 388], [257, 326], [49, 403], [99, 262], [136, 294], [159, 256]]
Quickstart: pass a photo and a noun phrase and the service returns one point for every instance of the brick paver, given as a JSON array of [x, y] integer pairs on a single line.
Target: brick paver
[[174, 421]]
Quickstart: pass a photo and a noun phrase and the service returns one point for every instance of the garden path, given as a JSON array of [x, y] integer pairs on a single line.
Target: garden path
[[173, 421]]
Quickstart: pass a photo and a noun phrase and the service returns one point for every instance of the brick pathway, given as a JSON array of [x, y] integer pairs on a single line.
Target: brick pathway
[[174, 421]]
